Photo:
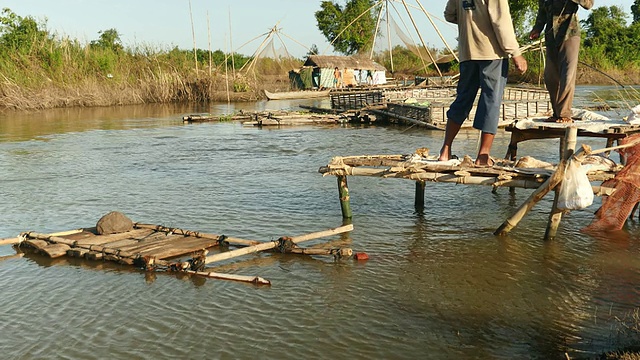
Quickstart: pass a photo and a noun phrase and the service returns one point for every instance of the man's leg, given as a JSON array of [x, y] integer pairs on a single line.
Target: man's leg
[[568, 62], [552, 75], [450, 133], [458, 112], [492, 84]]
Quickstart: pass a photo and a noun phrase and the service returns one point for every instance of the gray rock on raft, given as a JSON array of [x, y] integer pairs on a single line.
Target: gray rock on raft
[[114, 223]]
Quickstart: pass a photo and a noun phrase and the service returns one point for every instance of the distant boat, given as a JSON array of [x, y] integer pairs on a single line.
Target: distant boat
[[305, 94]]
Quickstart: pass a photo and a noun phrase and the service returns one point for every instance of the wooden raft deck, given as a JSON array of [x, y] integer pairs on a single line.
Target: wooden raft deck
[[160, 248]]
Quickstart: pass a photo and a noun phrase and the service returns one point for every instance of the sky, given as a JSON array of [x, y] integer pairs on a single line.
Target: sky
[[236, 25]]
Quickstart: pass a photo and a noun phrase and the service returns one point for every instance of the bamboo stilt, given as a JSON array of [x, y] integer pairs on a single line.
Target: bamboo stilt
[[343, 191], [555, 216], [272, 244], [419, 200]]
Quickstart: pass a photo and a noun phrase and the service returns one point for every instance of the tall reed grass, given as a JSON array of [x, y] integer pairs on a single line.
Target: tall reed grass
[[42, 70]]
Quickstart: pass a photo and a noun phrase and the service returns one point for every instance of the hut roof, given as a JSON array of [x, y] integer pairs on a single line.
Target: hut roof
[[341, 62]]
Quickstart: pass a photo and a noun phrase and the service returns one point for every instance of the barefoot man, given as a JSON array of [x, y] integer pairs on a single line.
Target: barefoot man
[[486, 40], [562, 39]]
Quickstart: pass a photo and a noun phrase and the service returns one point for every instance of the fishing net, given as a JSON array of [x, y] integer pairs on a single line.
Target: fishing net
[[617, 207]]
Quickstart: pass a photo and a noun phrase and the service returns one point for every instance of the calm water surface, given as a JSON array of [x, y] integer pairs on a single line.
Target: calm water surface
[[438, 284]]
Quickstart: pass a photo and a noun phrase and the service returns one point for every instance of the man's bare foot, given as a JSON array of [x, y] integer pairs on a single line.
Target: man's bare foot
[[484, 160], [445, 153]]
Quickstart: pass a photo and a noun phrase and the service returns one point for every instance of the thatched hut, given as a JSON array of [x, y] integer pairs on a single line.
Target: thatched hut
[[355, 71]]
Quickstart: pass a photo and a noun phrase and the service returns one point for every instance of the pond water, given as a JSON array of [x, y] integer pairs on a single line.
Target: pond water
[[438, 283]]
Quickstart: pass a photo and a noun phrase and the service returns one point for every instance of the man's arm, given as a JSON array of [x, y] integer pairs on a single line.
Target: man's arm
[[586, 4], [451, 11], [503, 27]]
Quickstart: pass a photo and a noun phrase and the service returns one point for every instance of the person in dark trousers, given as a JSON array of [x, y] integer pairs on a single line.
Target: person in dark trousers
[[559, 19], [486, 40]]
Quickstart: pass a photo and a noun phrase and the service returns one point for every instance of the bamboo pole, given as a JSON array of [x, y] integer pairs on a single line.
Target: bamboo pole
[[230, 240], [9, 257], [209, 41], [243, 278], [438, 31], [533, 199], [433, 60], [343, 193], [419, 199], [555, 215], [16, 240], [193, 35], [272, 244], [341, 252]]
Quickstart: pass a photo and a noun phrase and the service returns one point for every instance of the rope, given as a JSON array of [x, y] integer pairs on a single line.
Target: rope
[[285, 244]]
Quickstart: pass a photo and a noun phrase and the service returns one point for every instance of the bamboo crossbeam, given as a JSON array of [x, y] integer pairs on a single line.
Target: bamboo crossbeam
[[446, 178], [272, 244], [244, 278], [231, 240], [15, 240]]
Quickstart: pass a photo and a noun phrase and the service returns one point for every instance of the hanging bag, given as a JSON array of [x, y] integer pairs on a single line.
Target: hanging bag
[[575, 190]]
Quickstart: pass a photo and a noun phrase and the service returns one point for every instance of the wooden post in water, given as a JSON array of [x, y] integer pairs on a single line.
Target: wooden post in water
[[569, 141], [419, 201], [343, 191]]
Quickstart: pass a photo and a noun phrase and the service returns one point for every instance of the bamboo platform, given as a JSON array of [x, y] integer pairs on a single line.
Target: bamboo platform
[[421, 168], [159, 248]]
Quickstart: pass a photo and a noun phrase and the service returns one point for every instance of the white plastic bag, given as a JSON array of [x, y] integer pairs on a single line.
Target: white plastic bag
[[575, 190]]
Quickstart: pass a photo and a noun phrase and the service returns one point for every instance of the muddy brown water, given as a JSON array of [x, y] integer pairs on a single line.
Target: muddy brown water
[[438, 284]]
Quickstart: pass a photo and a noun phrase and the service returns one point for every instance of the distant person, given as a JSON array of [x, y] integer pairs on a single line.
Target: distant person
[[562, 38], [486, 40], [337, 78], [369, 77]]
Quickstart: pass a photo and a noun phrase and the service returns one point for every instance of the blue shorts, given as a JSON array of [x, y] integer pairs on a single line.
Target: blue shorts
[[491, 77]]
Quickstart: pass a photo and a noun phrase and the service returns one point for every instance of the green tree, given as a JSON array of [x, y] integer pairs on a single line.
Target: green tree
[[604, 22], [635, 11], [19, 33], [350, 28], [109, 39], [523, 13]]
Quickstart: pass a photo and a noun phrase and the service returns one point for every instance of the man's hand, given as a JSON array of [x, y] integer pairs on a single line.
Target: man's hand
[[534, 34], [520, 62]]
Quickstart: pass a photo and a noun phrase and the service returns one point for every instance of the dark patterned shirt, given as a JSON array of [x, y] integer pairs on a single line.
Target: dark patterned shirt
[[559, 19]]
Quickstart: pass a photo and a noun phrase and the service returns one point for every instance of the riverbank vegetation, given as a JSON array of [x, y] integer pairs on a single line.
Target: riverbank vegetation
[[41, 69]]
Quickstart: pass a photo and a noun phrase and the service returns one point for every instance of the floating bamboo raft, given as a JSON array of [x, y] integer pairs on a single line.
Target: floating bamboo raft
[[160, 248], [268, 118]]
